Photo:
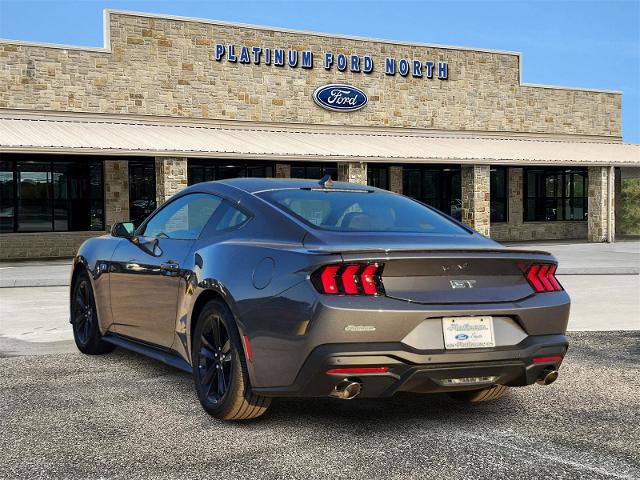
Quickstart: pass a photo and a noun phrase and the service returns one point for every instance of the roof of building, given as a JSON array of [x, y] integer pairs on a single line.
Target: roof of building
[[94, 134]]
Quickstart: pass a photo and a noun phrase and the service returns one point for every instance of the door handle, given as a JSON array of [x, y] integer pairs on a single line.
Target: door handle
[[170, 268]]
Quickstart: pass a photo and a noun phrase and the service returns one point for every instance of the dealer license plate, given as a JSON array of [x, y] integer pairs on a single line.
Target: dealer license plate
[[468, 332]]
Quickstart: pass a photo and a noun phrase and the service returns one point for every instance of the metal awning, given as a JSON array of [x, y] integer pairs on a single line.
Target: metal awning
[[170, 137]]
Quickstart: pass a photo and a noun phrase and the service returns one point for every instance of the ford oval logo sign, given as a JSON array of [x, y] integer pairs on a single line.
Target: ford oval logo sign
[[340, 98], [461, 337]]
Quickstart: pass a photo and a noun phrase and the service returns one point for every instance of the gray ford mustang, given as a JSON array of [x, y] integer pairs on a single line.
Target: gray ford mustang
[[267, 288]]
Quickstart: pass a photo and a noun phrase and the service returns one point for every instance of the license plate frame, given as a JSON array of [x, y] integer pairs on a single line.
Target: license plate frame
[[468, 332]]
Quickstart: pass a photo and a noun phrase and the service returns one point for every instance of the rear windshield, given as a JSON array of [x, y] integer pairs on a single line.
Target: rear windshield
[[361, 211]]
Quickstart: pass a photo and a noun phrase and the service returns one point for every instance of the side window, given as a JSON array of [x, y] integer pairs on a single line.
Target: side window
[[183, 218], [231, 218]]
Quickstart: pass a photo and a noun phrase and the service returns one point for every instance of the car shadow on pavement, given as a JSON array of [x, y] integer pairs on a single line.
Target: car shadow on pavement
[[357, 413]]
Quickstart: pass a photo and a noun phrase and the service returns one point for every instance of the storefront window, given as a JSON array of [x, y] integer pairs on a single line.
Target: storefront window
[[209, 170], [436, 186], [142, 189], [7, 196], [553, 194], [498, 194], [378, 176], [314, 171], [44, 194]]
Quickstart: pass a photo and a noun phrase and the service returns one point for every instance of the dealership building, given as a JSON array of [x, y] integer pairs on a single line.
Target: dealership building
[[93, 136]]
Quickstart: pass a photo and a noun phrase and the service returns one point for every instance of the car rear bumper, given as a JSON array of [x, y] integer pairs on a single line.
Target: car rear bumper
[[421, 372]]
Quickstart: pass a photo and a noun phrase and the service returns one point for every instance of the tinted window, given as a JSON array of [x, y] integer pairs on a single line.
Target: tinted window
[[183, 218], [231, 218], [361, 211]]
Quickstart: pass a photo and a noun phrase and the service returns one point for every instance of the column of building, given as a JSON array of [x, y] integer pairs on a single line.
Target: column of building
[[601, 211], [475, 197], [116, 192], [354, 172], [171, 177]]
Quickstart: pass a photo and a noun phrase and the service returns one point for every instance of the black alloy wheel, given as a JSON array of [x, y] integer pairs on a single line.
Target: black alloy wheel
[[220, 369], [214, 359], [84, 318]]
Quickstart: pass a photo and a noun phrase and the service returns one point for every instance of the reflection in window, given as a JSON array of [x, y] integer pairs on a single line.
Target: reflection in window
[[183, 218], [314, 171], [378, 176], [52, 194], [142, 189], [436, 186], [498, 194], [555, 194], [209, 170], [7, 199]]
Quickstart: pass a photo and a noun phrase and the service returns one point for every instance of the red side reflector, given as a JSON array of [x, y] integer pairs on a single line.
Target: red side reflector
[[357, 370], [328, 279], [368, 280], [247, 349], [553, 359], [349, 279]]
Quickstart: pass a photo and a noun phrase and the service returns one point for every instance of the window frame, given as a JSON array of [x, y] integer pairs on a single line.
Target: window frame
[[379, 167], [563, 197]]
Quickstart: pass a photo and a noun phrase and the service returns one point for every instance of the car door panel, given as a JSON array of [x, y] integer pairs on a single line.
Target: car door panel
[[147, 270]]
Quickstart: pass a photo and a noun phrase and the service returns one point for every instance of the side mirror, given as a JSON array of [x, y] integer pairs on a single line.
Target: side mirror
[[123, 229]]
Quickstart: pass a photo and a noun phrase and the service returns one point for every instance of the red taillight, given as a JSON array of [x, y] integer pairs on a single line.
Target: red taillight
[[542, 277], [357, 370], [350, 279], [328, 279], [553, 359], [349, 282], [368, 280]]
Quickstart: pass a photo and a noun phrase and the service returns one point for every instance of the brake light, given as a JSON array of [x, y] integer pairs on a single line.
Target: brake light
[[350, 279], [542, 277]]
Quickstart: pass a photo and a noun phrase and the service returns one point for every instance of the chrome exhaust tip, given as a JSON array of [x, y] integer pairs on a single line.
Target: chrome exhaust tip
[[346, 390], [547, 377]]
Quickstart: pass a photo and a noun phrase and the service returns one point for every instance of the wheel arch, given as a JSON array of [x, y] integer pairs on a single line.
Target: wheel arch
[[202, 299]]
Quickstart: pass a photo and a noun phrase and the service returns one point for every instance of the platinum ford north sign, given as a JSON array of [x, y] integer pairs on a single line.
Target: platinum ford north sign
[[340, 98]]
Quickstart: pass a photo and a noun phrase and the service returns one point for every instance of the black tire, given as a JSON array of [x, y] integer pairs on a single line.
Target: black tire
[[84, 318], [484, 395], [220, 369]]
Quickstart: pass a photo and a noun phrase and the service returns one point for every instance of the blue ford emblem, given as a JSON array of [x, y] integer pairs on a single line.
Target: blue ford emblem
[[340, 98], [461, 336]]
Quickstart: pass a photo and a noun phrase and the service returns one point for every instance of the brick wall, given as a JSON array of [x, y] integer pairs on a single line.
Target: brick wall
[[167, 67]]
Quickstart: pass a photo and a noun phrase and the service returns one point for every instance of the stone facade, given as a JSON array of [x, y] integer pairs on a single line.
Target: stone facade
[[475, 197], [171, 177], [516, 229], [395, 179], [354, 172], [14, 246], [116, 192], [167, 67], [601, 204], [283, 170]]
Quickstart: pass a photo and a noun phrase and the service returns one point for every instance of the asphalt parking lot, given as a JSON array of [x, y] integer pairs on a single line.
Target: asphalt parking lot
[[66, 415], [124, 416]]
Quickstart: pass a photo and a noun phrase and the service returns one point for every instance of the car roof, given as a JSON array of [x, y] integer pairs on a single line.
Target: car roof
[[254, 185]]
